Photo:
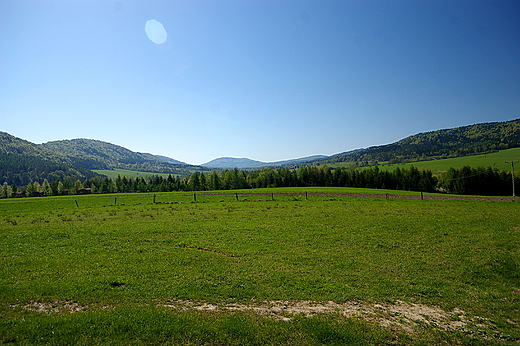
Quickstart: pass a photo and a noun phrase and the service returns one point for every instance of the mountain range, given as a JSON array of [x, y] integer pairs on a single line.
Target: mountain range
[[241, 163], [22, 162]]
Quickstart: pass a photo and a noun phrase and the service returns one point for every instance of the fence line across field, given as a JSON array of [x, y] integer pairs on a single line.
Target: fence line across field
[[191, 197]]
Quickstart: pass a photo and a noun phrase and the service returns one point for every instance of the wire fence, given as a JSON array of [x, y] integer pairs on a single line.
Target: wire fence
[[206, 197]]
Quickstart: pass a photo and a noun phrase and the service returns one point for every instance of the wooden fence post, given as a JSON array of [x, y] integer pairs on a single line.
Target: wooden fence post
[[194, 197], [236, 195]]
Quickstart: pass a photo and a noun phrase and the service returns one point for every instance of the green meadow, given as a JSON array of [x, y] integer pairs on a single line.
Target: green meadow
[[268, 268], [496, 160]]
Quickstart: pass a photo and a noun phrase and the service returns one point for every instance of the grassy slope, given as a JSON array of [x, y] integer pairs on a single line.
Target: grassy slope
[[130, 256], [496, 160]]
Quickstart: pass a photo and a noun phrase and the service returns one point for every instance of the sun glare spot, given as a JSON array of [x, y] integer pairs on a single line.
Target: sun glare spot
[[155, 31]]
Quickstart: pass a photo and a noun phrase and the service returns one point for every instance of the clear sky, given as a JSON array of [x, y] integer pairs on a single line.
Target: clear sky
[[262, 79]]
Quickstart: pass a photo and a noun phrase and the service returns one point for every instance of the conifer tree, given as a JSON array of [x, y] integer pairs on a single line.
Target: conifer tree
[[59, 188], [36, 188], [78, 185], [46, 188], [203, 182], [214, 181], [29, 190], [194, 182], [5, 190]]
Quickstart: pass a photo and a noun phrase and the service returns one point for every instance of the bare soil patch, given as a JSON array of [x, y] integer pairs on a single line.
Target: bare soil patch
[[398, 315], [56, 307]]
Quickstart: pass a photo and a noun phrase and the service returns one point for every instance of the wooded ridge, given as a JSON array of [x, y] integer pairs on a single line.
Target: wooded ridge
[[23, 162], [94, 154], [440, 144]]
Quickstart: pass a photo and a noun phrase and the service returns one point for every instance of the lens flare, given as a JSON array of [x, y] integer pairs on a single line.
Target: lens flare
[[155, 31]]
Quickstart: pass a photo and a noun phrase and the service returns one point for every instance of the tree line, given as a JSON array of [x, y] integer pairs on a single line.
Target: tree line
[[23, 170], [480, 181], [477, 181]]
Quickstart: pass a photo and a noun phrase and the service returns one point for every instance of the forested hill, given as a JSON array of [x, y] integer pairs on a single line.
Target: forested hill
[[441, 144], [22, 162], [94, 154]]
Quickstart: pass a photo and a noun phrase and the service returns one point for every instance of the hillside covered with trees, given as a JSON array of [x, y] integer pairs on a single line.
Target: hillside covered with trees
[[94, 154], [440, 144], [70, 163], [23, 162]]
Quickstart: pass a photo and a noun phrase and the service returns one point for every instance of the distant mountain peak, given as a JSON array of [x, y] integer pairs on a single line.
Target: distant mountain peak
[[233, 162]]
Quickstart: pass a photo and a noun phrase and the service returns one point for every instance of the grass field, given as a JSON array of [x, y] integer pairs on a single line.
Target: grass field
[[495, 160], [119, 270]]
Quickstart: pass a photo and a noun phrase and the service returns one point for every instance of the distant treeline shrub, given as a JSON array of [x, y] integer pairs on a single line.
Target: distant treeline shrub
[[477, 181], [468, 181], [401, 179]]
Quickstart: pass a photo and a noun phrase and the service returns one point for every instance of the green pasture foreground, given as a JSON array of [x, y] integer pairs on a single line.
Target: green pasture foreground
[[122, 270]]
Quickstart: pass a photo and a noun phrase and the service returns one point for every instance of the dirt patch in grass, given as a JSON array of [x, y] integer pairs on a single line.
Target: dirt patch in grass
[[398, 315], [56, 307]]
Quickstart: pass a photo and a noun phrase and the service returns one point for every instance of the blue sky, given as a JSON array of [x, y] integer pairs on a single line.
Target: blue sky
[[267, 80]]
